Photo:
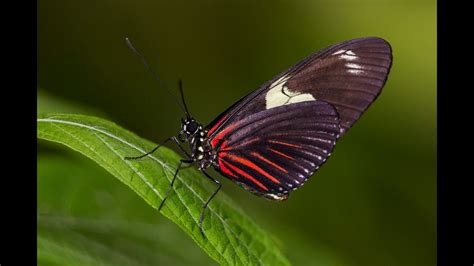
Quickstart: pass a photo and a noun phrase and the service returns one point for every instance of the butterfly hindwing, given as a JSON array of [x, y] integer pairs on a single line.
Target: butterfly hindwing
[[274, 151]]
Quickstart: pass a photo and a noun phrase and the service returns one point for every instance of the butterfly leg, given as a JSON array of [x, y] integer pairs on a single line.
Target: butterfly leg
[[173, 138], [219, 186], [176, 141], [172, 182]]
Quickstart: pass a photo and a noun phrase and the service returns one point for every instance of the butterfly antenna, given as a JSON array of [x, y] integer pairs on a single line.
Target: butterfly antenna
[[154, 74], [180, 84]]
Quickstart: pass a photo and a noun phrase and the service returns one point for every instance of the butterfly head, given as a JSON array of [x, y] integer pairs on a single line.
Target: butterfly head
[[189, 127]]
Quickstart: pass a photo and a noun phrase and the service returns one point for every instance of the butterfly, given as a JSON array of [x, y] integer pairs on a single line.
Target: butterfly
[[276, 137]]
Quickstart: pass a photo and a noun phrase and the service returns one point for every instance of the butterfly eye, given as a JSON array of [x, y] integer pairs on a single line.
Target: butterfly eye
[[191, 127]]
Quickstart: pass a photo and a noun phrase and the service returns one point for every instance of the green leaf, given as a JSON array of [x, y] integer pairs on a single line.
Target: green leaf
[[232, 237], [51, 252], [97, 211], [63, 240]]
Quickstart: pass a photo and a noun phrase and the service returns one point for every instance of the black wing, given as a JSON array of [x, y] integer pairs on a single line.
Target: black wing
[[274, 151], [274, 138], [349, 76]]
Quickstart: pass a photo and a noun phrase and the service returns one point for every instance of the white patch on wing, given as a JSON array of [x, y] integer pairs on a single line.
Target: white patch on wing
[[355, 71], [354, 68], [279, 94], [351, 65], [346, 55], [349, 57], [305, 97], [278, 197]]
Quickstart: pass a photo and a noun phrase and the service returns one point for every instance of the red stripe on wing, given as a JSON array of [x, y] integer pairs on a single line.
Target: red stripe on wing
[[222, 134], [223, 147], [216, 126], [244, 174], [269, 162], [224, 168], [284, 143], [281, 153], [251, 165]]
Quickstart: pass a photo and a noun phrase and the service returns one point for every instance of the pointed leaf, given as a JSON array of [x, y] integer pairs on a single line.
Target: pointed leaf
[[232, 237]]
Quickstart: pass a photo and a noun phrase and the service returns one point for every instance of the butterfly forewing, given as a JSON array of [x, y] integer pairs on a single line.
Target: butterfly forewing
[[349, 76], [274, 151]]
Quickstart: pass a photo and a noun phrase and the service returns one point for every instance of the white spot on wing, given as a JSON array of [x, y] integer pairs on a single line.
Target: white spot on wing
[[352, 65], [355, 71], [348, 55], [339, 52], [277, 197], [280, 95], [354, 68]]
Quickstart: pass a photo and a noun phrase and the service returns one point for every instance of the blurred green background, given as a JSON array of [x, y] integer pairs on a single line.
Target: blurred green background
[[373, 203]]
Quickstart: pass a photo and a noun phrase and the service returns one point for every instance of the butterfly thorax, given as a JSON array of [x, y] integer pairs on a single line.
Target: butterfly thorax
[[199, 144]]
